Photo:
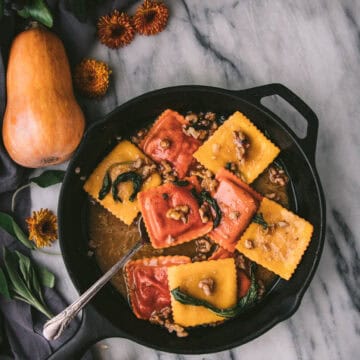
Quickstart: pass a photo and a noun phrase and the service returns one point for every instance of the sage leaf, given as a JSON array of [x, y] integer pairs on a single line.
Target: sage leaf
[[46, 277], [242, 305], [127, 176], [24, 283], [106, 186], [259, 219], [48, 178], [181, 182], [38, 10], [4, 289], [205, 195], [11, 227]]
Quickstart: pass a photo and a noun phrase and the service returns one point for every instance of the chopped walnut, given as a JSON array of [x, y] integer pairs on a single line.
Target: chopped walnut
[[199, 257], [136, 139], [242, 144], [165, 144], [234, 168], [191, 118], [208, 181], [249, 244], [170, 239], [138, 163], [196, 134], [277, 176], [210, 116], [203, 246], [168, 174], [234, 215], [148, 170], [205, 213], [207, 286], [179, 212], [273, 196], [242, 262], [180, 331]]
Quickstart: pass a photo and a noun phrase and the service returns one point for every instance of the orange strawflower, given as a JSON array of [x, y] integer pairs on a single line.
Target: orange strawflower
[[42, 227], [91, 77], [151, 17], [115, 30]]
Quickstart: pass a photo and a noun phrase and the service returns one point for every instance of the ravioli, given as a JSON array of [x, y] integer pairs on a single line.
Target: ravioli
[[147, 283], [166, 141], [164, 231], [187, 278], [258, 156], [281, 246], [126, 210]]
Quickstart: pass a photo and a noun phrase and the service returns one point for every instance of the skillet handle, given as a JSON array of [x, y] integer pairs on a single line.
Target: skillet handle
[[309, 141], [92, 329]]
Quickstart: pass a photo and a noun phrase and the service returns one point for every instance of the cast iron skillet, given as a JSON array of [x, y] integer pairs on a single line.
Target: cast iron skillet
[[109, 314]]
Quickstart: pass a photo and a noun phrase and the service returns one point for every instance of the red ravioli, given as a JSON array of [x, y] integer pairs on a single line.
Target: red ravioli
[[238, 207], [181, 147], [163, 231], [147, 283], [221, 253]]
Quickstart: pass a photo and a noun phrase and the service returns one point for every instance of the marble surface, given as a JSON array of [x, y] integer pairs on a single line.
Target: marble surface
[[313, 47]]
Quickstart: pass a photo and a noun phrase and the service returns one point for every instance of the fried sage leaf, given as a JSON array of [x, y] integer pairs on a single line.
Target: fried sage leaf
[[243, 304], [181, 182], [205, 195], [106, 186], [24, 283], [259, 219], [11, 227], [127, 176]]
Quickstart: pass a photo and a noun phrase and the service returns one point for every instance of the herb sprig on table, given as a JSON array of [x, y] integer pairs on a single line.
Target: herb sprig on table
[[23, 280]]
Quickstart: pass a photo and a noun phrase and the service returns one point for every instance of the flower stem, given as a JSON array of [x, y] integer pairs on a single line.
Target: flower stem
[[47, 252], [15, 194]]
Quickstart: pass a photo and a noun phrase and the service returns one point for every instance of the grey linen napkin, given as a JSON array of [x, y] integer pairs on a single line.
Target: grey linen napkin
[[21, 325]]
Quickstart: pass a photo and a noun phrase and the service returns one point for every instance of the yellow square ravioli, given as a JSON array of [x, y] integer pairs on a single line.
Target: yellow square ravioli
[[220, 148], [123, 154], [281, 246], [187, 278]]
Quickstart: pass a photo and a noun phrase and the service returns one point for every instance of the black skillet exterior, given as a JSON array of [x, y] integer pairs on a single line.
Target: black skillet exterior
[[112, 316]]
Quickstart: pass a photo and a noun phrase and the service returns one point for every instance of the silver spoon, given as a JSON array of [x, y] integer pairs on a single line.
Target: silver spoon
[[56, 326]]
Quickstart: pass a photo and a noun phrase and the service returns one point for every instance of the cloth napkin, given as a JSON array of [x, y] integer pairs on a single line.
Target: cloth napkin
[[21, 325]]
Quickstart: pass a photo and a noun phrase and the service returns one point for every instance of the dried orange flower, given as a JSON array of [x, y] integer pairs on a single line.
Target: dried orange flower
[[151, 17], [115, 30], [42, 227], [92, 77]]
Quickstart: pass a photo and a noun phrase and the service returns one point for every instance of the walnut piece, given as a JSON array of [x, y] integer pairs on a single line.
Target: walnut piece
[[234, 215], [207, 286], [165, 144], [205, 213], [249, 244], [241, 144], [179, 212], [167, 172], [202, 246], [277, 176]]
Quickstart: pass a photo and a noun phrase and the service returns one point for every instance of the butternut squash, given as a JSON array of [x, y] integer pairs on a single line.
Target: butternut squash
[[43, 123]]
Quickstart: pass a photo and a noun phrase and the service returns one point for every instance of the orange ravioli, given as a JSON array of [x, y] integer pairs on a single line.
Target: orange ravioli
[[187, 278], [163, 231], [126, 210], [281, 247], [179, 148], [258, 156], [147, 283], [237, 207]]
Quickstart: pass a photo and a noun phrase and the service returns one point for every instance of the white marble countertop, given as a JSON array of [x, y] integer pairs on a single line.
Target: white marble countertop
[[312, 47]]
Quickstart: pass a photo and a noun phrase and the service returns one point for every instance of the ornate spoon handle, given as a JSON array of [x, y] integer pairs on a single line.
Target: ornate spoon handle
[[55, 326]]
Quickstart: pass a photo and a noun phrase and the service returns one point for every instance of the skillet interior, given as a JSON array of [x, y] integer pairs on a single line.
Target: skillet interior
[[285, 296]]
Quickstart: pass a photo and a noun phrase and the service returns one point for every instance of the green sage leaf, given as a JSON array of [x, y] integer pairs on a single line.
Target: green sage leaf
[[127, 176], [259, 219], [4, 289], [38, 10], [205, 195], [106, 186], [46, 277], [11, 227], [48, 178], [181, 182]]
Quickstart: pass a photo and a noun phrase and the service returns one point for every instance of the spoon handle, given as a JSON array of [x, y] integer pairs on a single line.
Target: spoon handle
[[55, 326]]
